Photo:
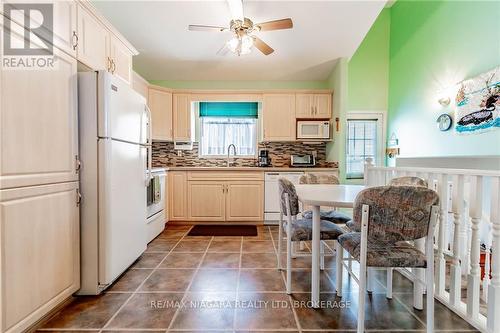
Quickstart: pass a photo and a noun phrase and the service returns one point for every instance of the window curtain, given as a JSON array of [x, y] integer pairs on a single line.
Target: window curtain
[[217, 133]]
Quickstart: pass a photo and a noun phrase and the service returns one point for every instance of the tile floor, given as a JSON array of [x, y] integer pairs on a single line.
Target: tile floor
[[231, 284]]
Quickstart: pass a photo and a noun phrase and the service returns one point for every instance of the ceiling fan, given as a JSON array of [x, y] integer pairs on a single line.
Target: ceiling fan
[[244, 31]]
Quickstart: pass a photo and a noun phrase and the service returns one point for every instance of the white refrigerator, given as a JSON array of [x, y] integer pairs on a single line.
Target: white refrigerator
[[115, 136]]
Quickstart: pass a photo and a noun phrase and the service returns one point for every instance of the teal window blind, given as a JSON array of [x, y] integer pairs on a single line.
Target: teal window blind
[[229, 109]]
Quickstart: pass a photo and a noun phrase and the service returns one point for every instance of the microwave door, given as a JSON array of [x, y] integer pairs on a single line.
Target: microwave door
[[309, 130]]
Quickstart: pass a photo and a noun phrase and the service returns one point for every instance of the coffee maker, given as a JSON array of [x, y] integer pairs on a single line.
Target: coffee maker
[[264, 159]]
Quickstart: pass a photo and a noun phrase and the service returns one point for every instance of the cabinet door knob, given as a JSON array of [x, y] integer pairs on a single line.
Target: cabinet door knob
[[75, 40]]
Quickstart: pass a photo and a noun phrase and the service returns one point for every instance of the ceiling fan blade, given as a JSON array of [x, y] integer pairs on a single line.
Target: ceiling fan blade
[[223, 50], [276, 25], [262, 46], [236, 9], [196, 27]]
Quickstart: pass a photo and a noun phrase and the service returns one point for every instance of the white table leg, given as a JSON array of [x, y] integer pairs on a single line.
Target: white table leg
[[315, 256]]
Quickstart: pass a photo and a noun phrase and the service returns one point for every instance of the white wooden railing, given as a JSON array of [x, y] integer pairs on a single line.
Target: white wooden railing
[[469, 218]]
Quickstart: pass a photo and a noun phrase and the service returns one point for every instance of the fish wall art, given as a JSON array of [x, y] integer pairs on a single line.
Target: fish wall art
[[478, 103]]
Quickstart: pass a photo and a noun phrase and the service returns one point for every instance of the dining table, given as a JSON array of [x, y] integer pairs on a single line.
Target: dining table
[[317, 196]]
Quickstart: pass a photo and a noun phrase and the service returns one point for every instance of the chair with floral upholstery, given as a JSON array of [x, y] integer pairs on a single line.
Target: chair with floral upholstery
[[389, 217], [408, 181], [297, 229]]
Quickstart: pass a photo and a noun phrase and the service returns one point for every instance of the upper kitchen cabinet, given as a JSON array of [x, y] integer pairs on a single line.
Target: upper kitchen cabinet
[[160, 103], [120, 59], [182, 117], [140, 85], [93, 39], [39, 138], [314, 106], [278, 118]]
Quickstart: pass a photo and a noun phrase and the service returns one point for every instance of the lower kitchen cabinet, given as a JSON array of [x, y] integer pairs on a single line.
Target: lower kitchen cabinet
[[206, 201], [40, 247], [245, 201], [177, 196]]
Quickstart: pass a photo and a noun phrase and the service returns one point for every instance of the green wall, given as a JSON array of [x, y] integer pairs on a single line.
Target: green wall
[[433, 45], [241, 84], [368, 72]]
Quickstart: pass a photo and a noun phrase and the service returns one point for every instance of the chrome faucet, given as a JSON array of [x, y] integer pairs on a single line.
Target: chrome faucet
[[229, 150]]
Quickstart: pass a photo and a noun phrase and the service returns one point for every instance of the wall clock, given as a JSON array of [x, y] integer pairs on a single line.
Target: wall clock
[[444, 122]]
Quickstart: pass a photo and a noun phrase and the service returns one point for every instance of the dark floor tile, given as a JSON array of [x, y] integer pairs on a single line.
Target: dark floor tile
[[215, 280], [384, 314], [225, 246], [147, 311], [161, 245], [206, 311], [149, 260], [333, 312], [258, 260], [173, 280], [182, 227], [261, 280], [221, 260], [130, 280], [301, 281], [298, 262], [88, 312], [173, 234], [444, 319], [264, 311], [191, 246], [182, 260], [257, 246]]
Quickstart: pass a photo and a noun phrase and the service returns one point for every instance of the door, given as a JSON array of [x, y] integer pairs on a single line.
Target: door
[[122, 206], [279, 117], [40, 242], [160, 103], [304, 103], [121, 110], [245, 201], [182, 117], [38, 136], [121, 59], [206, 200], [177, 195], [322, 106], [93, 39]]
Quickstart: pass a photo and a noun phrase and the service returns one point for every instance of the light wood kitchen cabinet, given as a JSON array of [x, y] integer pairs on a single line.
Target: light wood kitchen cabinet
[[314, 106], [182, 117], [39, 142], [120, 59], [40, 242], [245, 201], [177, 196], [160, 103], [93, 41], [206, 200], [140, 85], [278, 117]]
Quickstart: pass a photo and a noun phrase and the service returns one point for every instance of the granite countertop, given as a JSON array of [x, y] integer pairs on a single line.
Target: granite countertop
[[239, 168]]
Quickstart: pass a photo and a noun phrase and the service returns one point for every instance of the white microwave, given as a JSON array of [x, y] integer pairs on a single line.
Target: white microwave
[[313, 129]]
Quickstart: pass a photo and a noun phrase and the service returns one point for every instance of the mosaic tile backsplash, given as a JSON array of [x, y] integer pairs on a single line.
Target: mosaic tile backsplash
[[164, 155]]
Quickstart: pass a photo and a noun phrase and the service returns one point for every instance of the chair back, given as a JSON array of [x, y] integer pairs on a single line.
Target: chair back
[[409, 181], [318, 178], [287, 187], [396, 213]]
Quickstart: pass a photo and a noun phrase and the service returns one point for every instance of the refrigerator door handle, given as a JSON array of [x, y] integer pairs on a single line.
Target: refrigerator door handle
[[149, 146]]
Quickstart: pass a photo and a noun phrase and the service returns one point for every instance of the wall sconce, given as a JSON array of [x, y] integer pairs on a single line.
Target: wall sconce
[[392, 149], [444, 101]]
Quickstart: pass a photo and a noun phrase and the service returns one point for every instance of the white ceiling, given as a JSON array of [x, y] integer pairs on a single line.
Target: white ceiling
[[323, 32]]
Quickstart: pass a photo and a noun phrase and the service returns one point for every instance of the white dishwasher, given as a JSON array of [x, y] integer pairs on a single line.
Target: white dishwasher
[[271, 193]]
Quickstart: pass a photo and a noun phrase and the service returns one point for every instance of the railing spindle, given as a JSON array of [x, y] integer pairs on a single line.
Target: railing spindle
[[441, 262], [458, 210], [493, 321], [474, 277]]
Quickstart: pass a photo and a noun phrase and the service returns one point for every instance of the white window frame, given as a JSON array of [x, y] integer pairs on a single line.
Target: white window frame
[[254, 156], [380, 116]]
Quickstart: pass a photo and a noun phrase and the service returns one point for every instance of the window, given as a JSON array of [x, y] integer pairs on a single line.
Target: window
[[361, 143], [222, 124]]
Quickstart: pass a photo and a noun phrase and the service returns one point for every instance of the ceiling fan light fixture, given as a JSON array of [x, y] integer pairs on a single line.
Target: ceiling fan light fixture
[[240, 44]]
